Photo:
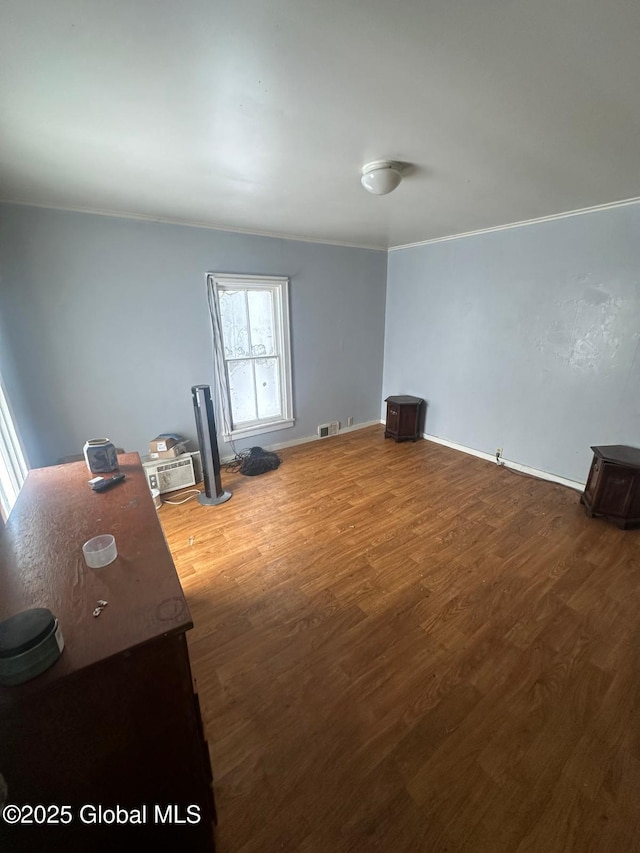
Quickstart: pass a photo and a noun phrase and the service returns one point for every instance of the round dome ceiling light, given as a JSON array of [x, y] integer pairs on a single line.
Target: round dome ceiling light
[[381, 176]]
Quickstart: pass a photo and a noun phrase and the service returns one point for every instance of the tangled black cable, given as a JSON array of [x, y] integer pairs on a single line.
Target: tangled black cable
[[254, 461]]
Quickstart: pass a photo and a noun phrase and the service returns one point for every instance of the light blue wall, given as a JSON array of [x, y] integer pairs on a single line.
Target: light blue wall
[[525, 339], [105, 326]]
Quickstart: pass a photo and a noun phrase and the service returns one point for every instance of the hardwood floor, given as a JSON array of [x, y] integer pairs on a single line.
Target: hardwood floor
[[399, 647]]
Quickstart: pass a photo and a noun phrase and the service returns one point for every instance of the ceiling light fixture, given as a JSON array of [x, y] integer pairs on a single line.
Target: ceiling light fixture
[[381, 176]]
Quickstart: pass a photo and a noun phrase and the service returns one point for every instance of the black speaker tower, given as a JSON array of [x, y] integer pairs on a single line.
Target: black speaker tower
[[207, 439]]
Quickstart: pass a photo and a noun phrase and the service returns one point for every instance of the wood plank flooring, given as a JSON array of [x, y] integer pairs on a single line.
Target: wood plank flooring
[[399, 647]]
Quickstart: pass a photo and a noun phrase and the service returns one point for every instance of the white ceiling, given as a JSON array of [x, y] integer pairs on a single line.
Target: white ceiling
[[258, 115]]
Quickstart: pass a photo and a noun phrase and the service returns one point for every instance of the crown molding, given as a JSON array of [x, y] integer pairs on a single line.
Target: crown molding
[[185, 223], [551, 218]]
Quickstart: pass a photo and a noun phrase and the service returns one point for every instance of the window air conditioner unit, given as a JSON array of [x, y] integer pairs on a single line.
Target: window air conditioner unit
[[168, 475]]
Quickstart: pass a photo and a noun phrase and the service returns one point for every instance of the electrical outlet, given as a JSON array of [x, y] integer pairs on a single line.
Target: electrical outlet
[[498, 454], [349, 421]]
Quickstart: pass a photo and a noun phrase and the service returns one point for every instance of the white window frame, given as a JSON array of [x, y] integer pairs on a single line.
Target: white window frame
[[279, 287], [13, 464]]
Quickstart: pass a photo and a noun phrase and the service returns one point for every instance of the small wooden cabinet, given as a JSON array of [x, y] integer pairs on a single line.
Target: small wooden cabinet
[[403, 418], [613, 485]]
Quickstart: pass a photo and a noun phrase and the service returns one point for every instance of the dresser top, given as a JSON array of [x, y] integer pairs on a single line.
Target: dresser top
[[41, 565], [404, 400], [619, 453]]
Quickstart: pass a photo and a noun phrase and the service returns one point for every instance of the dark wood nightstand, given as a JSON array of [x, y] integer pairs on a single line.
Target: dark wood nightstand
[[613, 486], [403, 418]]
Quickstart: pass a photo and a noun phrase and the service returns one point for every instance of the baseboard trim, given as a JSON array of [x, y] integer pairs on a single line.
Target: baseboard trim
[[480, 454], [507, 463], [307, 439]]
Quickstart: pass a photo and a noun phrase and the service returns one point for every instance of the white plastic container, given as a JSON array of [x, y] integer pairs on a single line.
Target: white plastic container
[[100, 551]]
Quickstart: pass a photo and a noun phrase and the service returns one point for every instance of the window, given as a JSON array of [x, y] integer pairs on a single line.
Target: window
[[13, 468], [251, 333]]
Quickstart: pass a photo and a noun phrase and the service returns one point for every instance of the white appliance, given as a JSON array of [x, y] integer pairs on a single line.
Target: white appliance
[[168, 475]]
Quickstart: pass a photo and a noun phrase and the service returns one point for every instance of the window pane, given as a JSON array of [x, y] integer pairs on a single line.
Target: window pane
[[254, 349], [13, 468], [233, 315], [268, 387], [261, 322], [242, 392]]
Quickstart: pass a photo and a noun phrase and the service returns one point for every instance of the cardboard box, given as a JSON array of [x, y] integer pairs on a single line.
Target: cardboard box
[[176, 450], [164, 442]]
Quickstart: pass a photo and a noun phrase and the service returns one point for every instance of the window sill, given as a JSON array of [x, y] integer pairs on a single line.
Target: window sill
[[258, 429]]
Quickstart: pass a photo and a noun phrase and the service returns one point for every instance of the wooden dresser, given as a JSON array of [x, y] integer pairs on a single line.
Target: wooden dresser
[[115, 722]]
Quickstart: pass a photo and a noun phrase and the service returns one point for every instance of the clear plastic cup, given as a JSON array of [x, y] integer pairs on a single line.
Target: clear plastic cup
[[100, 551]]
